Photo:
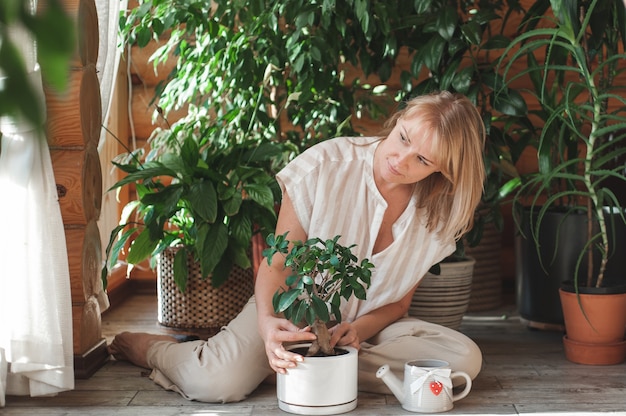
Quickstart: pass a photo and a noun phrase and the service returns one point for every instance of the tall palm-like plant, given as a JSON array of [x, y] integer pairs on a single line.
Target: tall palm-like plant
[[574, 57]]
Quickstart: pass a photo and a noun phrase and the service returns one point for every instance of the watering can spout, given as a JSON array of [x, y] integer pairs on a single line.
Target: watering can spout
[[395, 385]]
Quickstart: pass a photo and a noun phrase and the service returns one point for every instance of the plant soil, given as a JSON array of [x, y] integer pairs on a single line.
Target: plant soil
[[303, 351]]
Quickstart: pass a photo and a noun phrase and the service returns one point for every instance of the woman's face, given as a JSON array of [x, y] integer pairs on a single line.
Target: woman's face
[[405, 156]]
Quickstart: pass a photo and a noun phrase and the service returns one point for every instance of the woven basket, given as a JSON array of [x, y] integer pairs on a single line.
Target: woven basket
[[202, 305], [443, 299]]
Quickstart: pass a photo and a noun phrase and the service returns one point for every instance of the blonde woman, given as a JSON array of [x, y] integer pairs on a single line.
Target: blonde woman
[[404, 198]]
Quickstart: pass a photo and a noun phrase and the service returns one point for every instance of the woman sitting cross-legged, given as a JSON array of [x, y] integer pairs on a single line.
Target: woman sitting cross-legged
[[404, 198]]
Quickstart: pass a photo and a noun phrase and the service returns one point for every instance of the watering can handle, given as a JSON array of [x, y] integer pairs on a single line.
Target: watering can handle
[[468, 384]]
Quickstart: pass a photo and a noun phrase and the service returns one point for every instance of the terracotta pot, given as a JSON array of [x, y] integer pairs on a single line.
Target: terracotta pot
[[594, 354], [594, 318], [595, 325]]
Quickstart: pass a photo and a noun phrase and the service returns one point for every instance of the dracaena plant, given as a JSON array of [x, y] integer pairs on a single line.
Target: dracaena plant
[[574, 60], [203, 195], [322, 273]]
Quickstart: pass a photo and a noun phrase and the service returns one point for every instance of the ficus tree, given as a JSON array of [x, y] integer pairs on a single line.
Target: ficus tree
[[322, 273]]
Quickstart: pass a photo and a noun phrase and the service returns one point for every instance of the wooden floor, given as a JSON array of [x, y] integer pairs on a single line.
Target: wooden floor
[[525, 372]]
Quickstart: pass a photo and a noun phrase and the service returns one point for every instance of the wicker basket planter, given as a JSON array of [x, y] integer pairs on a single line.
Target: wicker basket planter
[[202, 305], [443, 299]]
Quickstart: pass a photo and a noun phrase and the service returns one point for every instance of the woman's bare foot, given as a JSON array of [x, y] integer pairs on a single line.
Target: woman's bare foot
[[133, 346]]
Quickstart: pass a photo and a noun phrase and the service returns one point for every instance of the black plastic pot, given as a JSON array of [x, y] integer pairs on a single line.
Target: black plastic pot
[[538, 281]]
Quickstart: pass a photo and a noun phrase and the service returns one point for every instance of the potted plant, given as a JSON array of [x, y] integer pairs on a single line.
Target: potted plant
[[322, 273], [443, 295], [575, 60], [199, 202]]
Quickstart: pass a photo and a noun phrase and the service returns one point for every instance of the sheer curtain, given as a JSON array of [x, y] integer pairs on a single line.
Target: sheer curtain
[[36, 348], [35, 304]]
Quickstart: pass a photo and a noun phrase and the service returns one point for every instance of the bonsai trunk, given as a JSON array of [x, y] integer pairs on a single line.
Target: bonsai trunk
[[322, 343]]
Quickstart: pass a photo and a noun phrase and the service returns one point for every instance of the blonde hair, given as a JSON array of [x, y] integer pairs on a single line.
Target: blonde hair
[[450, 196]]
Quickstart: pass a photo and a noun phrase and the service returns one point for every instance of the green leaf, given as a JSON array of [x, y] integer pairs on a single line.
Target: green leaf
[[298, 313], [116, 248], [321, 309], [15, 100], [291, 279], [446, 22], [287, 299], [142, 247], [203, 200], [232, 205], [180, 269], [510, 102], [241, 228], [432, 52], [149, 171], [472, 32], [144, 36], [54, 52], [212, 242], [310, 316], [167, 199], [359, 291]]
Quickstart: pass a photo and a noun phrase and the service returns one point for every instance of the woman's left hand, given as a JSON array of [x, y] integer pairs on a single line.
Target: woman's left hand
[[344, 334]]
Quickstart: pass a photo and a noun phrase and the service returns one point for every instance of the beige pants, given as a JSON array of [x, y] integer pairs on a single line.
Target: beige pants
[[230, 365]]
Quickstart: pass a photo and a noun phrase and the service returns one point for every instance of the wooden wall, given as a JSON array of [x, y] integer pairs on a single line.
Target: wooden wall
[[73, 125]]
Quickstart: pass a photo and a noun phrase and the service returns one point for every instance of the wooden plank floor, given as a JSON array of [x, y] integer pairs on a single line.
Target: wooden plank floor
[[525, 372]]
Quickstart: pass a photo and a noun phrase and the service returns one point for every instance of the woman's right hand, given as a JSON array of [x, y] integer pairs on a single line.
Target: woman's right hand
[[275, 332]]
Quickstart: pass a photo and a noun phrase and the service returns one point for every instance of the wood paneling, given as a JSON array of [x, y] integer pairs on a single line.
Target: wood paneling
[[74, 121]]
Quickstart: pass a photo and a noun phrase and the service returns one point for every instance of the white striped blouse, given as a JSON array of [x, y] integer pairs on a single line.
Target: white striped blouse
[[331, 186]]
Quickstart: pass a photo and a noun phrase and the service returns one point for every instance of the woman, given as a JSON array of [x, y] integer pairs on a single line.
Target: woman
[[404, 199]]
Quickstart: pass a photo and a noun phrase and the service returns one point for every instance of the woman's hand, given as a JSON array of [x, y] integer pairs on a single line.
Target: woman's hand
[[344, 334], [276, 331]]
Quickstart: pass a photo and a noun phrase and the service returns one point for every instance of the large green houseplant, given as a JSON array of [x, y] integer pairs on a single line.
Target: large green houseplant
[[266, 71], [575, 60], [322, 273], [205, 196]]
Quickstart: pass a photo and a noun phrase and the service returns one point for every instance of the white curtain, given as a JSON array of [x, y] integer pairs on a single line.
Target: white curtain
[[108, 63], [108, 53], [36, 348], [36, 356]]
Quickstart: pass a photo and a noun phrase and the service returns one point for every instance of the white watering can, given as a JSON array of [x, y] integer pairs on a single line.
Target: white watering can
[[427, 386]]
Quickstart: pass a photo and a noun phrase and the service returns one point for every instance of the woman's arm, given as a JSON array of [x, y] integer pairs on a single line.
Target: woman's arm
[[276, 330]]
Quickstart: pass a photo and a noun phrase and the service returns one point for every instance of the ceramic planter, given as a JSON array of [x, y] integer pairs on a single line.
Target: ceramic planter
[[595, 324], [443, 299], [320, 385]]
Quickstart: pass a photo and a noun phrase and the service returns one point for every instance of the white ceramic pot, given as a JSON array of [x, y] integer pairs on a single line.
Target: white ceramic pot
[[320, 385]]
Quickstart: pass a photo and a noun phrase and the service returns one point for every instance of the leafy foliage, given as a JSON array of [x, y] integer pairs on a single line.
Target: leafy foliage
[[323, 272], [460, 43], [53, 31], [573, 61], [205, 195]]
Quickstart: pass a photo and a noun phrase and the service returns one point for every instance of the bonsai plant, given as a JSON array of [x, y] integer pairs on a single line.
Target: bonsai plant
[[322, 273], [575, 62]]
